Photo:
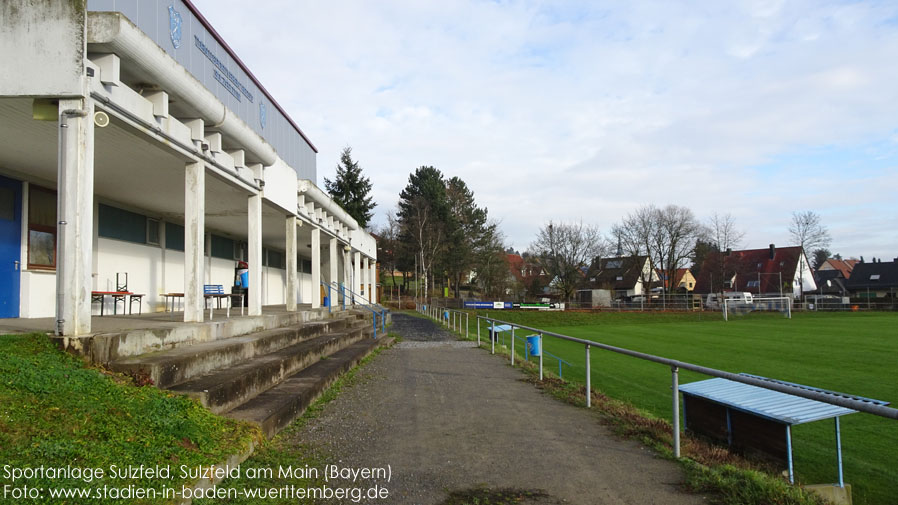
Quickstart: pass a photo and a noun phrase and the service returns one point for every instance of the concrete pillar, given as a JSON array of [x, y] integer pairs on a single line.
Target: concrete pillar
[[75, 216], [372, 279], [316, 267], [347, 271], [254, 254], [366, 278], [357, 279], [291, 263], [194, 240], [332, 278]]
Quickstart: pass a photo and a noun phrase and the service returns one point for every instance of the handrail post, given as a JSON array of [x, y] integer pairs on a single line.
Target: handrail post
[[493, 338], [588, 374], [383, 320], [512, 345], [477, 320], [467, 326], [675, 379], [542, 351]]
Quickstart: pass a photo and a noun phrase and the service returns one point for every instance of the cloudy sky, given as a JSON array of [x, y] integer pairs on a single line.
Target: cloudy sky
[[579, 110]]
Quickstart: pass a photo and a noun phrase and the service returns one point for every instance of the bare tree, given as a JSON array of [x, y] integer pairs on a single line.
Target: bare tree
[[635, 236], [678, 229], [563, 249], [808, 231], [387, 253], [723, 232]]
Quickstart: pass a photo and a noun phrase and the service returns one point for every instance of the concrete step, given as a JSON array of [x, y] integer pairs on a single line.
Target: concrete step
[[225, 388], [279, 406], [174, 366]]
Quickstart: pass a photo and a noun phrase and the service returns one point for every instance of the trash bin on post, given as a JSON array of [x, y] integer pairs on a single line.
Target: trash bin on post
[[533, 345], [241, 281]]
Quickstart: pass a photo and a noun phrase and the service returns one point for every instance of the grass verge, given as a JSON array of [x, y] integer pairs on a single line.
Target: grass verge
[[56, 412]]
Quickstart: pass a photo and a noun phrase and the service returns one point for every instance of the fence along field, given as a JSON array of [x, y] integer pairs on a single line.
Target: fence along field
[[849, 352]]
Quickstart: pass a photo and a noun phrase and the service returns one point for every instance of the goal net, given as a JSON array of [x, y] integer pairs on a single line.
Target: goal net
[[782, 304]]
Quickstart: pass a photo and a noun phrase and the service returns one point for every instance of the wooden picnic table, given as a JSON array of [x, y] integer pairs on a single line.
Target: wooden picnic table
[[127, 297]]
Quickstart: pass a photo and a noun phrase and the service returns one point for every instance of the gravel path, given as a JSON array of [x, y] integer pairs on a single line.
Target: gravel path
[[446, 419], [419, 329]]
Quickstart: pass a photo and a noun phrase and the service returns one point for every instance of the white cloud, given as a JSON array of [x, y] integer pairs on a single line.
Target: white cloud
[[575, 110]]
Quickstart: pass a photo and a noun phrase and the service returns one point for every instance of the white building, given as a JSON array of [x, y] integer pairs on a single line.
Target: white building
[[133, 140]]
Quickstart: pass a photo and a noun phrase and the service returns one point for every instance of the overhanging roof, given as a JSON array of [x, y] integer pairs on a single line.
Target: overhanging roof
[[773, 405]]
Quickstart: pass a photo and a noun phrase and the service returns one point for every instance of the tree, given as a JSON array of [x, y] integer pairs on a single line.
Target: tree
[[387, 245], [678, 229], [723, 232], [820, 256], [466, 227], [667, 236], [808, 231], [351, 190], [563, 249], [423, 209], [710, 252], [491, 262]]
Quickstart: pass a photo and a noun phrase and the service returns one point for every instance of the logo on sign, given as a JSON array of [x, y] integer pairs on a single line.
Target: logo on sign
[[174, 22], [263, 113]]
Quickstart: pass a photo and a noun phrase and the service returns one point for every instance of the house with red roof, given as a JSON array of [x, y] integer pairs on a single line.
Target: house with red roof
[[770, 271], [843, 266]]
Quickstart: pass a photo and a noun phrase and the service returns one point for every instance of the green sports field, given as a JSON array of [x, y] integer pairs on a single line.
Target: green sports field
[[854, 353]]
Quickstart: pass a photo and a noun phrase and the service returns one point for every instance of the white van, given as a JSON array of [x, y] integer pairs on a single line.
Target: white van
[[713, 301]]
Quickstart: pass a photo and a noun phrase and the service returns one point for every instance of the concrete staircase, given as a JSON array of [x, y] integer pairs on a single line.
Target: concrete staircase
[[268, 377]]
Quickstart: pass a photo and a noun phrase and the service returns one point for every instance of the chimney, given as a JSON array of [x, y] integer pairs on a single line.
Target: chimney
[[772, 251]]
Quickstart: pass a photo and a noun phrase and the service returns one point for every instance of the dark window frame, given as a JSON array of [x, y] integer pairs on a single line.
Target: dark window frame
[[41, 228]]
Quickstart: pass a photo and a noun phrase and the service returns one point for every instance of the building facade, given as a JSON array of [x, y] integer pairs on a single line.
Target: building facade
[[134, 141]]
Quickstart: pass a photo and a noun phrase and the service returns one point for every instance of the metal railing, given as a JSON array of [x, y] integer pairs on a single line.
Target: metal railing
[[373, 307], [449, 317], [376, 309], [841, 400]]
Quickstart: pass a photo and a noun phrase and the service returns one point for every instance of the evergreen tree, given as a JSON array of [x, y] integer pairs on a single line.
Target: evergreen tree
[[351, 190]]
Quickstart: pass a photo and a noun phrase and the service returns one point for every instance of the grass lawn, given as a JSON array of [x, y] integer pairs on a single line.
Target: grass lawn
[[854, 353], [55, 412]]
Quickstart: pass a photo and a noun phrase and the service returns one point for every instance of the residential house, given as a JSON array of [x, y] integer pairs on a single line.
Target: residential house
[[877, 279], [616, 278], [770, 271], [684, 281], [832, 276], [527, 275], [842, 266]]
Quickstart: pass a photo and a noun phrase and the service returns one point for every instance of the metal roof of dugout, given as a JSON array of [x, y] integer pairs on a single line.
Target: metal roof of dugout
[[775, 406]]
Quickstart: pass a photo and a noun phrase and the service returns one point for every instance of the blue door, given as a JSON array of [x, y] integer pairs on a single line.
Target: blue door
[[10, 246]]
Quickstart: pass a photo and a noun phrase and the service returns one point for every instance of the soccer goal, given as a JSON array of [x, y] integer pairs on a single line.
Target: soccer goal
[[770, 304]]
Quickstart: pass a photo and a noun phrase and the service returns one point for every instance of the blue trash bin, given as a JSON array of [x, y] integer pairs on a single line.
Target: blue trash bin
[[327, 301], [533, 345]]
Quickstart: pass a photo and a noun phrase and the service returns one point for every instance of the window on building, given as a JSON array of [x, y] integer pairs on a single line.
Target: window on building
[[152, 231], [121, 224], [614, 263], [174, 236], [753, 284], [41, 228], [874, 277], [274, 259], [222, 247]]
